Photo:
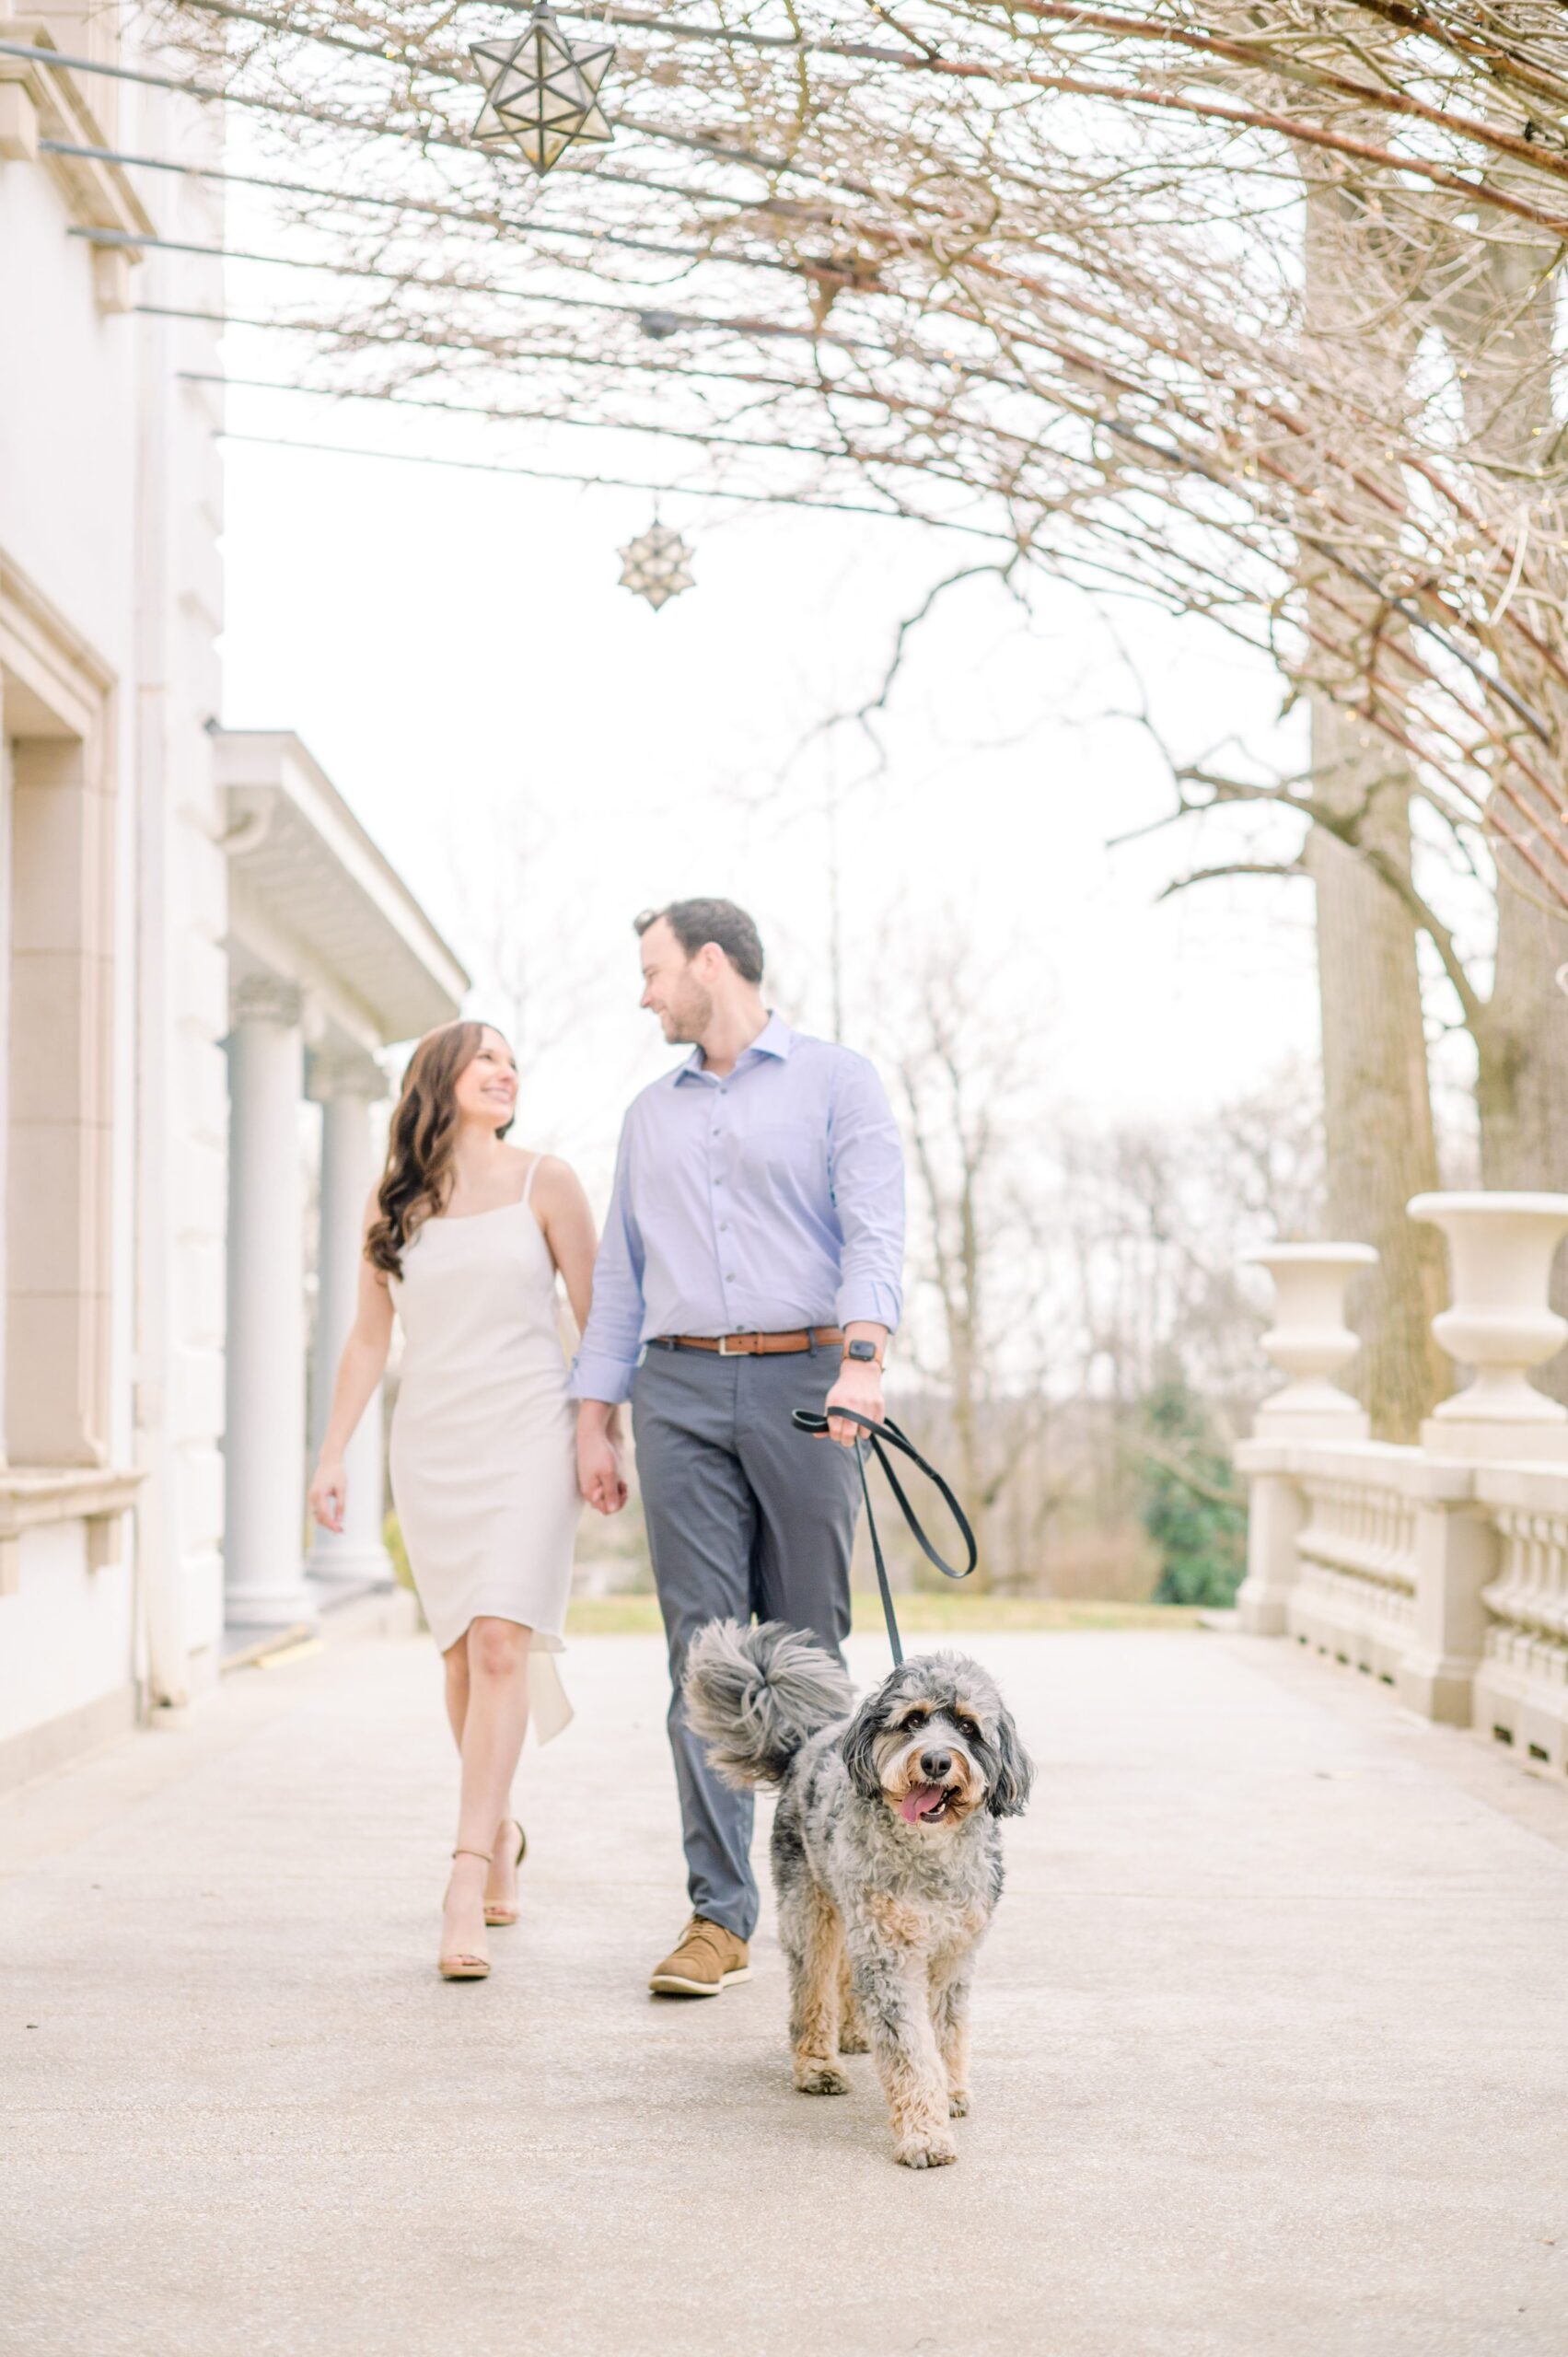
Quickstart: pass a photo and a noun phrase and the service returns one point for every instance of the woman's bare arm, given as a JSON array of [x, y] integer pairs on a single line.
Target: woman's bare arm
[[360, 1369], [569, 1231]]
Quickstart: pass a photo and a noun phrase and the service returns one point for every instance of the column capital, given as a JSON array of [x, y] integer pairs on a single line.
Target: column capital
[[343, 1073], [266, 998]]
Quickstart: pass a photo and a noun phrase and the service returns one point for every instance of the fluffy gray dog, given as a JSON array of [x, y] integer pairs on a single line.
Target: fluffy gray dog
[[886, 1858]]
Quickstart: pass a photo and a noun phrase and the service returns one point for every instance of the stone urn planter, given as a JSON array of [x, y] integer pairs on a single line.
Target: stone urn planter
[[1310, 1341], [1500, 1249]]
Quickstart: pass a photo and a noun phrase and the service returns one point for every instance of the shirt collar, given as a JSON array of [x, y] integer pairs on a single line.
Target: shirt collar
[[775, 1038]]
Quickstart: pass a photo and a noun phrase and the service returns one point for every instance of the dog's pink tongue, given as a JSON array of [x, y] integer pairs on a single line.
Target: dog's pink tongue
[[919, 1803]]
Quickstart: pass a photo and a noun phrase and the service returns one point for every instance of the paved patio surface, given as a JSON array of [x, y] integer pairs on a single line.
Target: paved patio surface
[[1270, 2045]]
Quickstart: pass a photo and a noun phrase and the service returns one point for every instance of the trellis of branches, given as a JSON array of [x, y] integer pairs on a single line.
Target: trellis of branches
[[1248, 310]]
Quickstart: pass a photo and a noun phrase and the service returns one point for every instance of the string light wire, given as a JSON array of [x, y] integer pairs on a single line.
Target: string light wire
[[619, 482]]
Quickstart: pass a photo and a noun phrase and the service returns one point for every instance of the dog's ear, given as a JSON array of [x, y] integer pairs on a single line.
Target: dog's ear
[[1009, 1791], [859, 1748]]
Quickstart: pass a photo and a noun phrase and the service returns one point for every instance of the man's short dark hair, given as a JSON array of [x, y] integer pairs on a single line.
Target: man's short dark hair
[[694, 923]]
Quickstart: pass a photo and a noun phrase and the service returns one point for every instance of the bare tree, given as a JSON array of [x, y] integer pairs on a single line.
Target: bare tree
[[978, 1337], [1377, 1104], [1059, 1276], [1245, 310], [540, 974], [1031, 273]]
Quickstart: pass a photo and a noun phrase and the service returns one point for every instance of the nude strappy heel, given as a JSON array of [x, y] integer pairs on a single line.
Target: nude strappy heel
[[495, 1913], [465, 1968]]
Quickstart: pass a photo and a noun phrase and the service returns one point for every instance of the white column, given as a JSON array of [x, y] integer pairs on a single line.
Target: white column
[[264, 1435], [8, 870], [347, 1087]]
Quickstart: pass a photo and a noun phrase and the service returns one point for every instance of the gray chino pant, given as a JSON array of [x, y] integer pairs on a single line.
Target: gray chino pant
[[745, 1516]]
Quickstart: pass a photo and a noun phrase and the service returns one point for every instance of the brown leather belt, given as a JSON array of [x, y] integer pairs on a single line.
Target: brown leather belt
[[753, 1346]]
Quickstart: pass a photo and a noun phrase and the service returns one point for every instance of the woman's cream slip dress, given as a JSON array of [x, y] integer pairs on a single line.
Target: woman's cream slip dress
[[483, 1457]]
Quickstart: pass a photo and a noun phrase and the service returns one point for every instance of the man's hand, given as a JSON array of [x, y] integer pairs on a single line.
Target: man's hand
[[859, 1386], [601, 1477]]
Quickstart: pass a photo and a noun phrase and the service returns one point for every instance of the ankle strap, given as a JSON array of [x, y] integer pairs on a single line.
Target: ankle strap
[[462, 1853]]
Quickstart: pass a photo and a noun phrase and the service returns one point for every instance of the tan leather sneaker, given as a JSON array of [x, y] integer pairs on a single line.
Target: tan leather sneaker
[[705, 1959]]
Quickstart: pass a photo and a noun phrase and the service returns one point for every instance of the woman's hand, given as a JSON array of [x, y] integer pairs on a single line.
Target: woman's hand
[[328, 1489], [601, 1475]]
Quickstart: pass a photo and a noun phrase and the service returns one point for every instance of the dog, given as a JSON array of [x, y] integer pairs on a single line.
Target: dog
[[886, 1852]]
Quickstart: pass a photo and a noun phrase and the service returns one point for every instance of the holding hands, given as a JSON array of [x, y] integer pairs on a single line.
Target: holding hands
[[601, 1474]]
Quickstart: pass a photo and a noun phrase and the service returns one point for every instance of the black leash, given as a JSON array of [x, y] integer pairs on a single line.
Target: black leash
[[808, 1421]]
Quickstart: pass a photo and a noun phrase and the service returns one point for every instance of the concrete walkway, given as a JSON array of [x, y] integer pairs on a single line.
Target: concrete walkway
[[1270, 2049]]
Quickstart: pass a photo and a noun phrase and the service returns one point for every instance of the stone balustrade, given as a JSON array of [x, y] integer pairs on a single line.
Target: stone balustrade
[[1441, 1569]]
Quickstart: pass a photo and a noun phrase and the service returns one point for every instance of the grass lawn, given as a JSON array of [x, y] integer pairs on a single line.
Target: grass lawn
[[927, 1613], [920, 1615]]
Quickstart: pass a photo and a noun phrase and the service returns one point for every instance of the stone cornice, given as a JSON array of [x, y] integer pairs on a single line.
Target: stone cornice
[[99, 195], [30, 1495], [312, 894]]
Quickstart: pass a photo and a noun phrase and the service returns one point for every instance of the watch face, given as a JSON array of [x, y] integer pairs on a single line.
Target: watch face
[[862, 1351]]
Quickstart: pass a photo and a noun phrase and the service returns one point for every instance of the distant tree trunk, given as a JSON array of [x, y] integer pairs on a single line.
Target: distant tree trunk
[[1379, 1135], [953, 1142], [1500, 325], [1523, 1043], [1523, 1083], [1377, 1099], [964, 1072]]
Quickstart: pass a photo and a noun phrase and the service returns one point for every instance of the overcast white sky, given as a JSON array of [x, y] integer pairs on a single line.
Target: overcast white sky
[[456, 650]]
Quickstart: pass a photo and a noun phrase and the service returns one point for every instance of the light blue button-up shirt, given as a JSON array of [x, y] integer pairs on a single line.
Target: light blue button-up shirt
[[763, 1202]]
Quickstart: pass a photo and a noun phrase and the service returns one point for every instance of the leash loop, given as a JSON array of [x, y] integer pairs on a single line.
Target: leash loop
[[874, 1436]]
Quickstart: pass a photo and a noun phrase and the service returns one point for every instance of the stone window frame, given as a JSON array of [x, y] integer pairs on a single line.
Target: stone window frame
[[58, 949]]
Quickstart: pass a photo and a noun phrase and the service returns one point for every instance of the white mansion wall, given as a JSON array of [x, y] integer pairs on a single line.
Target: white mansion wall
[[109, 514], [162, 878], [187, 870]]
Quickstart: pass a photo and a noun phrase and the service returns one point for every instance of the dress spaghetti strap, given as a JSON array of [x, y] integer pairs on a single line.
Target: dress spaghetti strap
[[528, 1182]]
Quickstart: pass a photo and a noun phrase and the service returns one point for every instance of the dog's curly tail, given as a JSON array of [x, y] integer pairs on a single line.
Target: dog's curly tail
[[754, 1696]]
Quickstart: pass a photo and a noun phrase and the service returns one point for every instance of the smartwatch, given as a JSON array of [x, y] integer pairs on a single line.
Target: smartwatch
[[863, 1352]]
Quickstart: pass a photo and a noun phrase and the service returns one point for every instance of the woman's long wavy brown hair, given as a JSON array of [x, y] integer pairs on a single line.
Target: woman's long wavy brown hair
[[418, 1176]]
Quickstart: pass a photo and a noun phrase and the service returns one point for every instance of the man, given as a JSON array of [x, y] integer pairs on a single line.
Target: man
[[750, 1265]]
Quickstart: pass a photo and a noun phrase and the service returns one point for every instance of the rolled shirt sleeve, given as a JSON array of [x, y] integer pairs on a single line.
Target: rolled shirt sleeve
[[866, 1173], [607, 1359]]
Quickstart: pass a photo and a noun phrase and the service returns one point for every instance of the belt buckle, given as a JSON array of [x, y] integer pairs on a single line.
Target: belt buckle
[[725, 1350]]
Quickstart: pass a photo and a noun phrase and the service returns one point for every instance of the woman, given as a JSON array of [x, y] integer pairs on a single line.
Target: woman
[[463, 1239]]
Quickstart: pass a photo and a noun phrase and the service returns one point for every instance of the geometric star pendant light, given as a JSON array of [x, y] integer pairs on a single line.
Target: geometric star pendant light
[[541, 95], [656, 565]]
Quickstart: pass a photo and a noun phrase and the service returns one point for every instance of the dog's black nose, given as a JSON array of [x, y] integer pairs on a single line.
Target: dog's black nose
[[935, 1766]]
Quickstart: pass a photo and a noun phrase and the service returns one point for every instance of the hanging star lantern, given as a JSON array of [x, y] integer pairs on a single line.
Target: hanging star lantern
[[541, 94], [656, 565]]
